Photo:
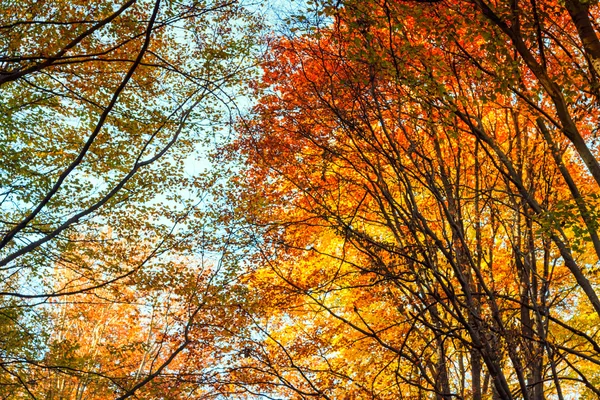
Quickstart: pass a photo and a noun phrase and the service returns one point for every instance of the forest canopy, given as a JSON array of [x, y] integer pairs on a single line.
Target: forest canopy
[[354, 200]]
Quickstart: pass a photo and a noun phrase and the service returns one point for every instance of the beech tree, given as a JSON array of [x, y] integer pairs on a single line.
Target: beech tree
[[422, 183], [106, 107], [409, 210]]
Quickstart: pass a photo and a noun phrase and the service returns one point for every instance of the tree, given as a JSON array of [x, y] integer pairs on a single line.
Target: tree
[[421, 178], [105, 108]]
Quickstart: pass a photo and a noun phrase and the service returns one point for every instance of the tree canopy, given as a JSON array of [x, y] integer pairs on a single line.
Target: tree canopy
[[400, 200], [108, 253]]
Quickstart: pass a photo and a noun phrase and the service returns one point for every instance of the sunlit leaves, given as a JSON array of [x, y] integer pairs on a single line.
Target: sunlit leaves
[[413, 212]]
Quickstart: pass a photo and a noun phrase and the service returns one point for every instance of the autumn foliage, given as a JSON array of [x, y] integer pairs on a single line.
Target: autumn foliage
[[408, 210], [424, 180], [110, 263]]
